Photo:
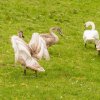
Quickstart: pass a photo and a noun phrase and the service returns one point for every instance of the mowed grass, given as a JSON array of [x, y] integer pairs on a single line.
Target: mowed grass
[[73, 72]]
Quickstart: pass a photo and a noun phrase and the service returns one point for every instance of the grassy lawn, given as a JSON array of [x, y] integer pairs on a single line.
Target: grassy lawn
[[73, 73]]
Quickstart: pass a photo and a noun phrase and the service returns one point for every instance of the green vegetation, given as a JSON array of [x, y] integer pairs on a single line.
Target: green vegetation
[[73, 73]]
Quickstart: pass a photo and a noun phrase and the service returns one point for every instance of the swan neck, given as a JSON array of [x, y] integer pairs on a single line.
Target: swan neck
[[53, 34], [93, 26]]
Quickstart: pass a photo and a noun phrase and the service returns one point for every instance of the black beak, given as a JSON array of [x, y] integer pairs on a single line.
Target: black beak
[[84, 27], [60, 32]]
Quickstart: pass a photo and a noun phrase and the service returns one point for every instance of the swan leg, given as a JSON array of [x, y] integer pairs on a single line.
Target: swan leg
[[95, 45], [24, 71], [36, 73], [85, 45]]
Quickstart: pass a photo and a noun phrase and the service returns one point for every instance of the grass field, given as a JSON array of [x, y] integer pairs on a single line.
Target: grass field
[[73, 73]]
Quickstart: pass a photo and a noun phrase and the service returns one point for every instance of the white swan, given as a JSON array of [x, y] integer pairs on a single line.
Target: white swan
[[90, 36]]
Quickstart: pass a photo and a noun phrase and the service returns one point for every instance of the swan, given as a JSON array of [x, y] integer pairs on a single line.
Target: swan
[[23, 55], [38, 47], [90, 36], [51, 38]]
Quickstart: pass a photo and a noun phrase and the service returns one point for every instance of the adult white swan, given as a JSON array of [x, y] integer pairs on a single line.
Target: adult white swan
[[90, 36]]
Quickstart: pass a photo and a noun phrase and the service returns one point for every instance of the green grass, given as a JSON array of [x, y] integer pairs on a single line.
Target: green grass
[[73, 73]]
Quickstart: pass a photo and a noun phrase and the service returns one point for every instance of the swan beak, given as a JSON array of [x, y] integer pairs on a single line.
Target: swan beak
[[84, 27], [60, 33]]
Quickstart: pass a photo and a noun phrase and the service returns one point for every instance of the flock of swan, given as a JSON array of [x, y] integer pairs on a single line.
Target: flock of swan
[[28, 54]]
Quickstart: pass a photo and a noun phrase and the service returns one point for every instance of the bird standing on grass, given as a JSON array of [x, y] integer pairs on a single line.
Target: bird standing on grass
[[51, 38], [90, 36], [23, 55]]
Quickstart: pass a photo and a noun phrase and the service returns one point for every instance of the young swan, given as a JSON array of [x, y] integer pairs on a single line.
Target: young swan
[[23, 55], [38, 47], [51, 38], [90, 36], [20, 34]]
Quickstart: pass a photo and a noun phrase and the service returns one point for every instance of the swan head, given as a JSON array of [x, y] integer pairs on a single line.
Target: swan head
[[20, 34], [89, 23], [57, 29]]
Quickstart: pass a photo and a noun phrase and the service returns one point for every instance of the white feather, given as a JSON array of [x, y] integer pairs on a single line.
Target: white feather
[[90, 35], [22, 54], [38, 46]]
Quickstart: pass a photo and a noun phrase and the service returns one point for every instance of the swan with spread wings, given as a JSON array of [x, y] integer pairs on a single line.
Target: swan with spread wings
[[23, 55]]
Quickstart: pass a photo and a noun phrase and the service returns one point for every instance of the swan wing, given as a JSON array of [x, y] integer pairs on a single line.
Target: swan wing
[[20, 48], [43, 51], [33, 44], [23, 55]]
